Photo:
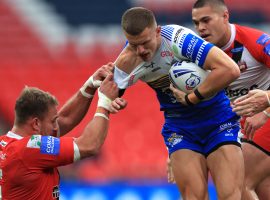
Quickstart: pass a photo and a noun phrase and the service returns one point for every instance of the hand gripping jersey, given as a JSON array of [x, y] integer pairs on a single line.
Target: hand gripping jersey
[[180, 43], [251, 48], [28, 165]]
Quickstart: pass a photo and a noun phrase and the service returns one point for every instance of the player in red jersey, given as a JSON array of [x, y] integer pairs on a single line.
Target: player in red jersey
[[250, 49], [30, 155]]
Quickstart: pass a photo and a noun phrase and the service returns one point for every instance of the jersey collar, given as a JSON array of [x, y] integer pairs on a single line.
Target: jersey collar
[[233, 33], [14, 135]]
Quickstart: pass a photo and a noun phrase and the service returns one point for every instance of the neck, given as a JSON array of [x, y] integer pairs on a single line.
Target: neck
[[226, 37], [21, 131]]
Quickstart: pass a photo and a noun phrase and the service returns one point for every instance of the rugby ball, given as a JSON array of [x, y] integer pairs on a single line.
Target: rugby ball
[[187, 76]]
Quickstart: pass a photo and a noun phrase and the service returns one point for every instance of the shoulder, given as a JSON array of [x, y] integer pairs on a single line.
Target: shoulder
[[249, 35], [256, 41], [127, 60], [173, 32]]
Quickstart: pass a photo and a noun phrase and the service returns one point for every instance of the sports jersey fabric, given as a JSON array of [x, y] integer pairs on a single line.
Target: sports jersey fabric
[[180, 43], [255, 56], [28, 165]]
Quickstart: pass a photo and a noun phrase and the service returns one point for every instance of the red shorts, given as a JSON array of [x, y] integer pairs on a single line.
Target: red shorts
[[262, 136]]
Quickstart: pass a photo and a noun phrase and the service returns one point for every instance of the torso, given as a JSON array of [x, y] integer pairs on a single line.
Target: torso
[[177, 43], [28, 166], [256, 58]]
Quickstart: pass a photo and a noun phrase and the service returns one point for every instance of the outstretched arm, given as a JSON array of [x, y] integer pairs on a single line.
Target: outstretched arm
[[77, 106], [94, 134]]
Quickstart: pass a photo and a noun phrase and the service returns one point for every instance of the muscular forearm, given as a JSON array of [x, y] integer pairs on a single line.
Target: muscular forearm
[[223, 72], [94, 134], [73, 111]]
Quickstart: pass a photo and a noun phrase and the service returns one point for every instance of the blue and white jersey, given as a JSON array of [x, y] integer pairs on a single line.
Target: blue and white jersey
[[178, 43]]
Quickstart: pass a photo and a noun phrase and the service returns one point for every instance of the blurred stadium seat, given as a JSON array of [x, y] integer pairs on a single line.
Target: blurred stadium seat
[[55, 45], [134, 148]]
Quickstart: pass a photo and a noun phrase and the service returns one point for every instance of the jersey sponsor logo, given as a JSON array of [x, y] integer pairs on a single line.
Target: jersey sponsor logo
[[152, 66], [50, 145], [239, 92], [238, 49], [196, 49], [166, 53], [56, 192], [34, 142], [175, 139], [228, 127], [3, 143], [263, 39], [177, 34], [191, 46], [267, 49]]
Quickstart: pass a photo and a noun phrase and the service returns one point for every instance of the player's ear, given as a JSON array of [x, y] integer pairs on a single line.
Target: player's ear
[[158, 29], [226, 15], [35, 123]]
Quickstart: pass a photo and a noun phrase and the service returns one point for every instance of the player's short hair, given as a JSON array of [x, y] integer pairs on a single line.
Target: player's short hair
[[212, 3], [33, 102], [136, 19]]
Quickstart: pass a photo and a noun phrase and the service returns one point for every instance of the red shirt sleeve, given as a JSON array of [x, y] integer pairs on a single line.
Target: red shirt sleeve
[[47, 151]]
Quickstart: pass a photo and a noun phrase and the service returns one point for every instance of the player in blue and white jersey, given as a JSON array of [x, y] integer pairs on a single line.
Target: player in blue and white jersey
[[200, 129]]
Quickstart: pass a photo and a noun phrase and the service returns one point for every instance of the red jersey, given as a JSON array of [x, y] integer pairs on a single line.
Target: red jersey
[[250, 48], [28, 165], [254, 49]]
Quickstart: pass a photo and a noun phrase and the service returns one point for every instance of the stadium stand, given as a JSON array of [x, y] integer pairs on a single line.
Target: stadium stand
[[134, 147], [46, 43]]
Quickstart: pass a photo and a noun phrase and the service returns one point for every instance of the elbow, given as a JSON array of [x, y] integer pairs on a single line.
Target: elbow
[[234, 73], [93, 150]]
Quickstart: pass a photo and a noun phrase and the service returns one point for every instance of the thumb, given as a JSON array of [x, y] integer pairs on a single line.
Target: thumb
[[172, 88], [108, 78]]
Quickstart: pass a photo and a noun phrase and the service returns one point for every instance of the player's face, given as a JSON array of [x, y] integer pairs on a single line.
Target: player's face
[[49, 126], [212, 24], [146, 43]]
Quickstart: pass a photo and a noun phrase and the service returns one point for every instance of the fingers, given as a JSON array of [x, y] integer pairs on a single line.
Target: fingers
[[244, 110], [118, 104], [249, 132], [239, 99], [104, 71], [108, 78], [121, 102], [172, 88], [109, 87]]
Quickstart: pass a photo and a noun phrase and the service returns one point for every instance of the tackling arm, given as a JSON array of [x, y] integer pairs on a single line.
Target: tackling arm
[[77, 106]]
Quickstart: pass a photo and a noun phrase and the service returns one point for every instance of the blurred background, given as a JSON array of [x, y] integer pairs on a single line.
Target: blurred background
[[57, 44]]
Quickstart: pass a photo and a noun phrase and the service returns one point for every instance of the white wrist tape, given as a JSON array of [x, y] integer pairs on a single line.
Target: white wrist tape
[[266, 113], [101, 115], [85, 94], [104, 101], [268, 99], [89, 83]]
